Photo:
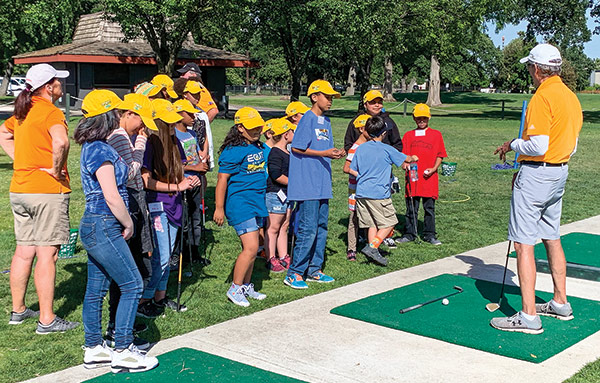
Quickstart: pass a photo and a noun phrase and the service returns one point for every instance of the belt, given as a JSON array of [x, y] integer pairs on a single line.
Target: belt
[[539, 163]]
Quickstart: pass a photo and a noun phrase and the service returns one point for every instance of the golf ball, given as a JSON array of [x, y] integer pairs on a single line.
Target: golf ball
[[426, 172], [445, 301]]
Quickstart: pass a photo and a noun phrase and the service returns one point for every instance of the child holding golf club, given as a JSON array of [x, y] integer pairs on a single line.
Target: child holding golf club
[[372, 166], [428, 145], [240, 195], [359, 124], [279, 207]]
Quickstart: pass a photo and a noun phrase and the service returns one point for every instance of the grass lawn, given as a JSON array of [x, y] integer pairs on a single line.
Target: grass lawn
[[472, 128]]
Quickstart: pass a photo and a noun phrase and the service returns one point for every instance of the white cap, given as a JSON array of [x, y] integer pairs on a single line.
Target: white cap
[[40, 74], [544, 54]]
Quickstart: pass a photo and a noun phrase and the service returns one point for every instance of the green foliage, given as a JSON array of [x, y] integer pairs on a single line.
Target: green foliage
[[474, 65], [581, 65], [512, 75]]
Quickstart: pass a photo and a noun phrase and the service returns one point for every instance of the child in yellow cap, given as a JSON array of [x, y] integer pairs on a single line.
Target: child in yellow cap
[[240, 195], [294, 111], [427, 144]]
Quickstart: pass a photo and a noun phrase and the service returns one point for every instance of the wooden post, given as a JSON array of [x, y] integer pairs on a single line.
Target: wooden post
[[503, 109], [404, 114], [68, 107]]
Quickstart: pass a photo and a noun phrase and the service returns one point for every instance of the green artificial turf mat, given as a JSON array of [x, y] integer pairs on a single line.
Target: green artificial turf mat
[[466, 322], [189, 365], [580, 248]]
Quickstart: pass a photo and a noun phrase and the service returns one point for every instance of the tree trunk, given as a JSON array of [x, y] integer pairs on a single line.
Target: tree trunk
[[411, 85], [433, 97], [351, 81], [258, 89], [7, 75], [296, 87], [403, 87], [388, 88]]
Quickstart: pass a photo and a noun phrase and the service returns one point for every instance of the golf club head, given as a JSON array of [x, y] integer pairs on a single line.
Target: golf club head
[[492, 306], [460, 289]]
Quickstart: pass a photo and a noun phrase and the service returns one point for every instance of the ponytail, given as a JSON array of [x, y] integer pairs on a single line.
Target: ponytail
[[23, 103]]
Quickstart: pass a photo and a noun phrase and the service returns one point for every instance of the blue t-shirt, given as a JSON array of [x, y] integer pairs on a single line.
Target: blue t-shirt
[[373, 161], [309, 176], [93, 155], [266, 151], [190, 147], [247, 182]]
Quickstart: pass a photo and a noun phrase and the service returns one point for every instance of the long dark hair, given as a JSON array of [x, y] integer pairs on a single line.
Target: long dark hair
[[166, 162], [96, 128], [23, 102], [233, 138]]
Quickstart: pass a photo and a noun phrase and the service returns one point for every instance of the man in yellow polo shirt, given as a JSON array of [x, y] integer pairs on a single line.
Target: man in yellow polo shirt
[[552, 125]]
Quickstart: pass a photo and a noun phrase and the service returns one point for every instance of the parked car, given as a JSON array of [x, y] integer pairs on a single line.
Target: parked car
[[14, 87]]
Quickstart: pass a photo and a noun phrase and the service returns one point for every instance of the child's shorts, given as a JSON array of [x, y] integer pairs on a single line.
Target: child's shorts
[[274, 204], [250, 225], [378, 213]]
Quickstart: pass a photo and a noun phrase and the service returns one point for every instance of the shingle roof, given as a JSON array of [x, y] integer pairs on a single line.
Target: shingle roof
[[97, 36]]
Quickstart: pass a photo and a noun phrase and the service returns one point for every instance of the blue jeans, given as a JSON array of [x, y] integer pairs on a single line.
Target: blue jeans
[[311, 237], [165, 233], [109, 259]]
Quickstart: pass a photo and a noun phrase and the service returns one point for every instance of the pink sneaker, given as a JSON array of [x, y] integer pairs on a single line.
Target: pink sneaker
[[275, 266], [286, 261]]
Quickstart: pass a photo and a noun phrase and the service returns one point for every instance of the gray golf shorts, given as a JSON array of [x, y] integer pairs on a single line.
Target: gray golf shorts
[[536, 203]]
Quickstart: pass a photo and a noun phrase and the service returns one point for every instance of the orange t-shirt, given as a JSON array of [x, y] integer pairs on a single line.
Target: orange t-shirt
[[33, 150], [553, 111], [206, 102]]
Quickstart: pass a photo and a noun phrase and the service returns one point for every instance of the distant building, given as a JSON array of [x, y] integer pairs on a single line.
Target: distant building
[[98, 58], [595, 78]]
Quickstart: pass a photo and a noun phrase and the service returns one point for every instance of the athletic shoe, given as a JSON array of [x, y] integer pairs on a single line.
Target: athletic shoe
[[373, 254], [148, 310], [169, 303], [137, 328], [18, 318], [237, 295], [351, 255], [140, 343], [97, 356], [390, 243], [518, 323], [251, 293], [57, 325], [320, 277], [286, 261], [548, 309], [404, 239], [433, 240], [274, 264], [295, 281], [131, 360]]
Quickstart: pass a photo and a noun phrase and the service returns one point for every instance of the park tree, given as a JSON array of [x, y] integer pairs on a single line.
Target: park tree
[[512, 75]]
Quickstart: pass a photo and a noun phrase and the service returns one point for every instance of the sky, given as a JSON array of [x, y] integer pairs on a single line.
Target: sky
[[591, 48]]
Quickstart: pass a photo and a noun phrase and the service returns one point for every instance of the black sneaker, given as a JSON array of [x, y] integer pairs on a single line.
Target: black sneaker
[[57, 325], [433, 240], [148, 310], [166, 302], [373, 254], [18, 318], [404, 239], [140, 343]]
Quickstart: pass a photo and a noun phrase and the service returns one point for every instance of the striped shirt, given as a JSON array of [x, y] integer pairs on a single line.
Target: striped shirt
[[132, 155]]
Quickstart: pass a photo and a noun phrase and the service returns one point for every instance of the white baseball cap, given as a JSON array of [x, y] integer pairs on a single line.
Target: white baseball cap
[[40, 74], [544, 54]]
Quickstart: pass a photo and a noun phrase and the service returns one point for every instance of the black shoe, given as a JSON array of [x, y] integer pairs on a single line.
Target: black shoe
[[166, 302], [433, 240], [148, 310], [404, 239]]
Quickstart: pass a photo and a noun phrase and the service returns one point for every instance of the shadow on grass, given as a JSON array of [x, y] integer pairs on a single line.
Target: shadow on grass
[[71, 288]]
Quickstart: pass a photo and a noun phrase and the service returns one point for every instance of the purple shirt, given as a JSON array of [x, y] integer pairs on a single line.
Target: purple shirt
[[172, 205]]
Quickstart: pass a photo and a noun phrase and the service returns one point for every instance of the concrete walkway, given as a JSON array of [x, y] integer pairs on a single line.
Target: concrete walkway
[[313, 345]]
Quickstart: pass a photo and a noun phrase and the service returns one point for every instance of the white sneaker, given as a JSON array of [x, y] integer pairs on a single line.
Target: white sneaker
[[251, 293], [97, 356], [131, 360]]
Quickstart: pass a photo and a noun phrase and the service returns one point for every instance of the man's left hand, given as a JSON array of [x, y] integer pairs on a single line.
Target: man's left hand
[[503, 149]]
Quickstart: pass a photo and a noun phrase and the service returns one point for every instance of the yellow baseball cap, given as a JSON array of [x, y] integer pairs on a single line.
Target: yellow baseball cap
[[165, 111], [147, 89], [249, 118], [281, 125], [322, 86], [372, 95], [295, 107], [421, 110], [193, 87], [142, 106], [166, 82], [268, 125], [99, 101], [361, 120], [184, 106]]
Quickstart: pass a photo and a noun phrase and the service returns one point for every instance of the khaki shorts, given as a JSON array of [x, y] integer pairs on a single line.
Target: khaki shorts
[[41, 219], [377, 213]]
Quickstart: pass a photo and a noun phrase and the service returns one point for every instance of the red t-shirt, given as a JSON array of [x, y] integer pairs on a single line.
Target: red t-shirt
[[427, 144]]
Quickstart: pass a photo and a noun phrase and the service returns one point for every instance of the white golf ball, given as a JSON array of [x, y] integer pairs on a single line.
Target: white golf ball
[[426, 172], [445, 301]]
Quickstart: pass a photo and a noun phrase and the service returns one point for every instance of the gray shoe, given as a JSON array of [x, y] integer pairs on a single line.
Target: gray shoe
[[434, 241], [548, 309], [373, 254], [404, 239], [57, 325], [518, 323], [18, 318]]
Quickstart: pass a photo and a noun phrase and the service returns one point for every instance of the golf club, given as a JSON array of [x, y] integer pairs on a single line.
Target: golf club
[[492, 306], [414, 209], [411, 308], [189, 224], [179, 278]]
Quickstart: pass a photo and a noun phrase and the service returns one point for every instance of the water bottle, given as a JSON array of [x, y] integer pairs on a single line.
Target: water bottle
[[395, 185], [413, 172]]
